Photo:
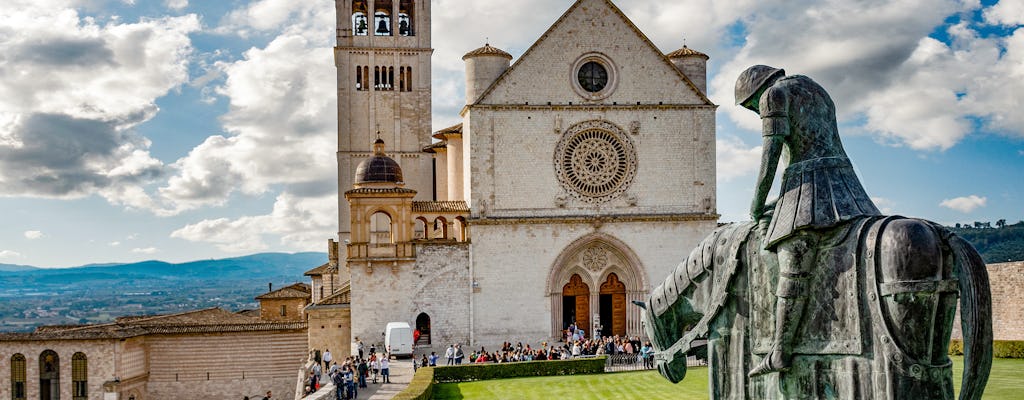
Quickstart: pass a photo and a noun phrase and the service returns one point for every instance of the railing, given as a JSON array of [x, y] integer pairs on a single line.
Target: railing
[[633, 362]]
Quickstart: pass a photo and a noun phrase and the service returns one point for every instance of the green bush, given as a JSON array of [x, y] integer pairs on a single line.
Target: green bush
[[1000, 348], [486, 371], [1008, 349], [421, 387]]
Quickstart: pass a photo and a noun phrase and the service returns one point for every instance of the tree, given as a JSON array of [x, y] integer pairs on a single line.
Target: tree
[[1001, 223]]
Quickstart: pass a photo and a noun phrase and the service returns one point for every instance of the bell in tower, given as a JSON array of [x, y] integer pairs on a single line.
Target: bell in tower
[[382, 28], [403, 25]]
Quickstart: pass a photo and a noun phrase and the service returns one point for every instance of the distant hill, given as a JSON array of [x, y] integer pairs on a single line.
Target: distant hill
[[15, 268], [996, 245], [255, 266]]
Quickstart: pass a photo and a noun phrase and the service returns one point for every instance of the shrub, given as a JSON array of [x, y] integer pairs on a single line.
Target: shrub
[[1000, 348], [421, 387], [486, 371], [1008, 349]]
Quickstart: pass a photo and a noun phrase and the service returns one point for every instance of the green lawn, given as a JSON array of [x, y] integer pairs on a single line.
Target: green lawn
[[1006, 382]]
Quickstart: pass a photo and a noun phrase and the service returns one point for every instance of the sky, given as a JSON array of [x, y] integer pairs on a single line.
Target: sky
[[181, 129]]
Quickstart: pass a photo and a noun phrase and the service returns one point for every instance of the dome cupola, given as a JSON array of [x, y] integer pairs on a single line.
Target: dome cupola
[[379, 169]]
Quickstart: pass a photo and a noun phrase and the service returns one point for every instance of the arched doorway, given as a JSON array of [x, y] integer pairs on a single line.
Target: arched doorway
[[612, 306], [423, 327], [614, 277], [49, 375], [576, 303]]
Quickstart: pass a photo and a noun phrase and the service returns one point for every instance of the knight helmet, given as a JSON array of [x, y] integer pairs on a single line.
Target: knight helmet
[[751, 80]]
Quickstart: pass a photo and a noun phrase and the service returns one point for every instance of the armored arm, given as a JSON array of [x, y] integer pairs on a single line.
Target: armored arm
[[775, 128]]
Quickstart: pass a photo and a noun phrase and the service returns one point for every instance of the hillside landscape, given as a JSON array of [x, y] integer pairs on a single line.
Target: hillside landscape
[[31, 296]]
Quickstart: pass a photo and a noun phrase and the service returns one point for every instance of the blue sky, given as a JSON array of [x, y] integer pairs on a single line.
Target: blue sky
[[182, 130]]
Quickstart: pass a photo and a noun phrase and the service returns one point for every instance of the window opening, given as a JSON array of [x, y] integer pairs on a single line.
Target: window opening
[[79, 376], [18, 377], [359, 23], [405, 14]]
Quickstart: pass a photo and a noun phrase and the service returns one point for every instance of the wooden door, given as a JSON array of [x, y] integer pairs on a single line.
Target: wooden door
[[581, 292], [614, 287]]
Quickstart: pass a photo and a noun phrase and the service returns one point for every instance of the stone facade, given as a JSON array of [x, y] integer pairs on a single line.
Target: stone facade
[[1006, 280], [580, 174], [100, 365]]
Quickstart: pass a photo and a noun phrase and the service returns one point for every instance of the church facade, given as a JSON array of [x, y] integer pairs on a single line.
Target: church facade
[[581, 174]]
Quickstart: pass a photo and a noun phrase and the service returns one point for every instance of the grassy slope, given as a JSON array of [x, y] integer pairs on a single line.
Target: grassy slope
[[1006, 382]]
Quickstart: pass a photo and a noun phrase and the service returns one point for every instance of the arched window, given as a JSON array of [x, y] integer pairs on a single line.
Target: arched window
[[422, 229], [376, 78], [79, 377], [391, 78], [49, 375], [359, 77], [359, 21], [405, 17], [440, 228], [382, 18], [366, 78], [408, 79], [18, 377], [401, 79], [463, 231], [380, 229]]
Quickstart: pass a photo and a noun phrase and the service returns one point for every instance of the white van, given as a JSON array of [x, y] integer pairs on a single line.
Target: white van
[[398, 339]]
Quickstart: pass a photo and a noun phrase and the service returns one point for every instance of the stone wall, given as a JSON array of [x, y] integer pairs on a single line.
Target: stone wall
[[437, 284], [224, 366], [270, 309], [1006, 279], [330, 327], [99, 353]]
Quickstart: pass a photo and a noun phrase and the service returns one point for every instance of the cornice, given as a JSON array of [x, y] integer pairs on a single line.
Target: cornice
[[590, 219]]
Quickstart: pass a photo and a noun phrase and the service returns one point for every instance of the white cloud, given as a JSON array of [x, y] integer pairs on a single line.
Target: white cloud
[[884, 205], [736, 159], [1006, 12], [9, 254], [145, 250], [301, 223], [281, 120], [965, 204], [311, 19], [176, 4], [114, 243], [32, 235], [75, 89]]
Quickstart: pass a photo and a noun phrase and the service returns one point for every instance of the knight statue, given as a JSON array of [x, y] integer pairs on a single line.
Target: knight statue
[[821, 296]]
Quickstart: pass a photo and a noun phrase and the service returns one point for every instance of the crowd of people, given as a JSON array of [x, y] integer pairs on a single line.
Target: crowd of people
[[351, 374], [573, 347]]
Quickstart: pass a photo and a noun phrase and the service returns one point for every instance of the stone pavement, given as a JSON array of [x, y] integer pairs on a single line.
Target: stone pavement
[[401, 375]]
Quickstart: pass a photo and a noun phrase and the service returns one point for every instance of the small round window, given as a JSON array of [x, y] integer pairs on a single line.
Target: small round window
[[593, 77]]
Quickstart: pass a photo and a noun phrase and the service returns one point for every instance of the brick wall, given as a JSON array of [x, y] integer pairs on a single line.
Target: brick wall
[[1006, 279]]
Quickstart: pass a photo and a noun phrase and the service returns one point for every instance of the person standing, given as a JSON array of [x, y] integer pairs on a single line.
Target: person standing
[[359, 347], [449, 354], [385, 371], [375, 365], [327, 358], [459, 354], [362, 369], [432, 360], [267, 396]]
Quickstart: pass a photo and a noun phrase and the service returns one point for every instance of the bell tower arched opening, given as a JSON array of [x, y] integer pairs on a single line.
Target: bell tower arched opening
[[360, 24], [406, 12], [382, 18]]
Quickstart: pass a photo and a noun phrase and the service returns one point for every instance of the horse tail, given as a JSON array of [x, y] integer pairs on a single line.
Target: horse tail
[[975, 317]]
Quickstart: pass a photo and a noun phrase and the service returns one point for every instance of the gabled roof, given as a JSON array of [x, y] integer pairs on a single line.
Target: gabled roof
[[209, 320], [342, 296], [294, 291], [451, 130], [319, 271], [615, 9]]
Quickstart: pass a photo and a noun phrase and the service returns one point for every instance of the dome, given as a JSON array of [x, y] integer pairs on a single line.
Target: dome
[[686, 52], [487, 50], [380, 168]]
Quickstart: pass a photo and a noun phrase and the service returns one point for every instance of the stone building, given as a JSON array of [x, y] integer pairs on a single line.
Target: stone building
[[580, 174], [202, 354]]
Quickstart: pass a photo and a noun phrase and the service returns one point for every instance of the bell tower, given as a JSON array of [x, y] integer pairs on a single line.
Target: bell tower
[[383, 59]]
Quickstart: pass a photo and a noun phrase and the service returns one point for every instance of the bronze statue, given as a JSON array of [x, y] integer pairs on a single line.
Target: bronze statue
[[842, 302]]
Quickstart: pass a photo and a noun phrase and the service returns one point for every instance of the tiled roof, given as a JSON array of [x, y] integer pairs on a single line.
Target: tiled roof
[[210, 320], [488, 50], [342, 296], [686, 52], [294, 291], [434, 146], [381, 191], [249, 313], [451, 130], [458, 206], [321, 270]]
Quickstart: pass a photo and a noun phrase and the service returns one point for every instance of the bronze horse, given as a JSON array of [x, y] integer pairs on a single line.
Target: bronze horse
[[879, 319]]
